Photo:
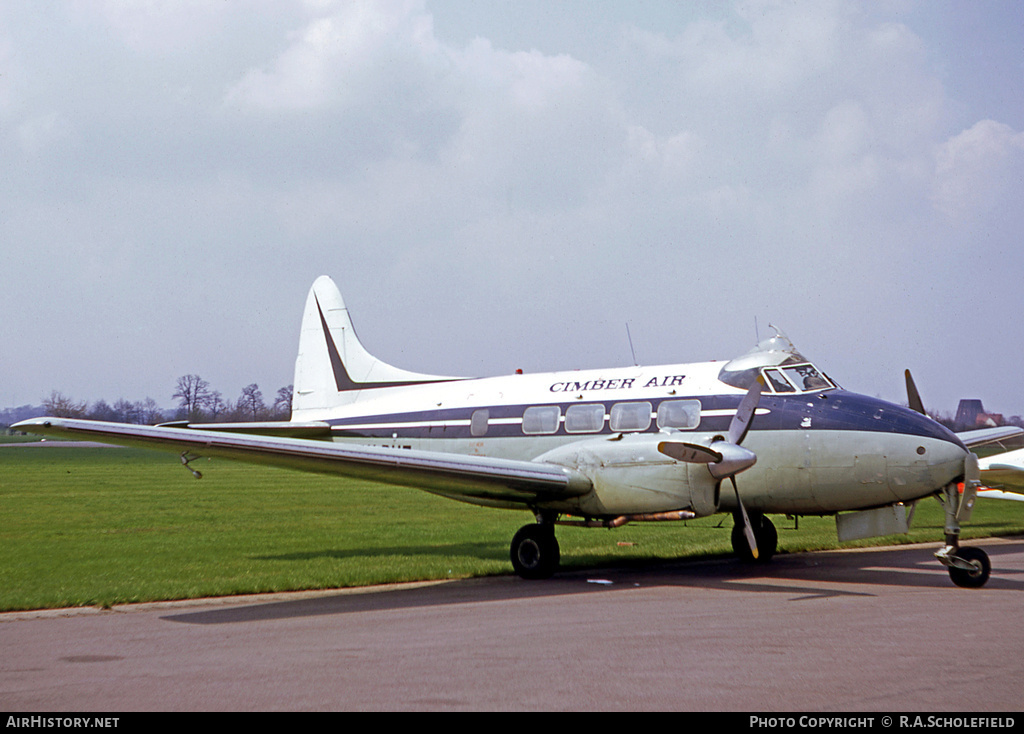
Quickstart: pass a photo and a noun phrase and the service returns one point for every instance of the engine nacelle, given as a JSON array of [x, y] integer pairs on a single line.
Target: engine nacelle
[[631, 476]]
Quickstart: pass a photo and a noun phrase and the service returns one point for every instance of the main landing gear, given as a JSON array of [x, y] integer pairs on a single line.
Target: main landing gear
[[968, 567], [534, 551], [765, 536]]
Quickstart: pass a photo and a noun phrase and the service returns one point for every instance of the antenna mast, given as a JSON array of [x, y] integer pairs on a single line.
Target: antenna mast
[[631, 350]]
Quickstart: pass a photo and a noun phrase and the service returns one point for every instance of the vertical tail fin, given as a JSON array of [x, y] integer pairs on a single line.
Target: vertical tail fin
[[333, 368]]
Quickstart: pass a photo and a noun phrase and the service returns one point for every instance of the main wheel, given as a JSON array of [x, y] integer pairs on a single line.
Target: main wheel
[[534, 551], [975, 578], [765, 535]]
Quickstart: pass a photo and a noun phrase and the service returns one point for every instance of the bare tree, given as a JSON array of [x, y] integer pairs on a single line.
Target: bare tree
[[251, 401], [101, 411], [149, 412], [216, 406], [61, 406], [283, 403], [192, 394], [126, 411]]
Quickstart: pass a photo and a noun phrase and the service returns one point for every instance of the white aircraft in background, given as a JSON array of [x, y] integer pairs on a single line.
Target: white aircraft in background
[[601, 448], [1002, 476]]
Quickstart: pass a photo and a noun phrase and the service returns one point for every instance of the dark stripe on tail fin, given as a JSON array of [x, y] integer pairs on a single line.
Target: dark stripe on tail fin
[[342, 379]]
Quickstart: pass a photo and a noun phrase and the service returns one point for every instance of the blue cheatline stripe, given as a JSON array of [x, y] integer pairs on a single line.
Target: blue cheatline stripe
[[834, 410]]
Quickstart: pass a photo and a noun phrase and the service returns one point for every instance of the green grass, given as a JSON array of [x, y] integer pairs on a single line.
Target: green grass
[[17, 437], [87, 526]]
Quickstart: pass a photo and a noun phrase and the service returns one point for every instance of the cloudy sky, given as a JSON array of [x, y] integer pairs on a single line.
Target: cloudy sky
[[502, 185]]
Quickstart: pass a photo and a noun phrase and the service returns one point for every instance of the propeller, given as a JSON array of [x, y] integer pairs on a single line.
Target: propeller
[[725, 457], [913, 396]]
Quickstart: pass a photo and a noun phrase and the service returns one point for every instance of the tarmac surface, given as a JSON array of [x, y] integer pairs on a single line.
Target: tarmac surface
[[879, 630]]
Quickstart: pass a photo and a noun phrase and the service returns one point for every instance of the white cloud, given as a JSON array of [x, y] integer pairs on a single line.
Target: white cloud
[[152, 27], [978, 169], [789, 155], [344, 58]]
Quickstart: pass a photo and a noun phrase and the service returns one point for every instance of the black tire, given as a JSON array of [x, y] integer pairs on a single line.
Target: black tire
[[765, 535], [534, 552], [971, 579]]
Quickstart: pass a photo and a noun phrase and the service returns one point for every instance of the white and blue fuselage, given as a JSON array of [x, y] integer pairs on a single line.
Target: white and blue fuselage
[[819, 449]]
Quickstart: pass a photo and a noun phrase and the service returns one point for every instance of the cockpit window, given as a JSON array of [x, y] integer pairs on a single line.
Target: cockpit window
[[797, 378], [785, 370], [806, 377], [778, 382]]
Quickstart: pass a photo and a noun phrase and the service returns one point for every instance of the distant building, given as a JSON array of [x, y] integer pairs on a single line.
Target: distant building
[[970, 414]]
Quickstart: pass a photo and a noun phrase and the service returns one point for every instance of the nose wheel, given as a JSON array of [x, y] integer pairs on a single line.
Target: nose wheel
[[968, 567]]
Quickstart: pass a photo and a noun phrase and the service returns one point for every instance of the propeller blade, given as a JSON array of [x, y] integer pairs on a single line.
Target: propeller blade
[[691, 453], [747, 530], [913, 397], [741, 421], [724, 457]]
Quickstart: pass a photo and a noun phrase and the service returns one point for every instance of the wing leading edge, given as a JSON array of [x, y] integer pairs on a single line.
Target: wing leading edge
[[473, 479]]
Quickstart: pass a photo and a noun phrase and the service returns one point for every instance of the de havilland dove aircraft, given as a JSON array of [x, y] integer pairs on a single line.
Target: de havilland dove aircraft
[[1003, 475], [762, 434]]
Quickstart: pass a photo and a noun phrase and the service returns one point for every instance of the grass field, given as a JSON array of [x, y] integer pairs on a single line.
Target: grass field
[[103, 526]]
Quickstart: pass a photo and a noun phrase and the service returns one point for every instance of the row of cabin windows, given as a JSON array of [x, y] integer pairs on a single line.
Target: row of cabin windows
[[590, 418]]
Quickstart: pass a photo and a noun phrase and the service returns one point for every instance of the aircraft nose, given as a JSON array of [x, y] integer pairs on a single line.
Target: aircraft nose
[[929, 460], [948, 458]]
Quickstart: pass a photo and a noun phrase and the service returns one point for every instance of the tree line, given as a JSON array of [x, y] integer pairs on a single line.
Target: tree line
[[197, 403]]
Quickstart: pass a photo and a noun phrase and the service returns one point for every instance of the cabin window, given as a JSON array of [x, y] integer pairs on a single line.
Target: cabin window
[[584, 418], [679, 414], [478, 422], [542, 419], [630, 417]]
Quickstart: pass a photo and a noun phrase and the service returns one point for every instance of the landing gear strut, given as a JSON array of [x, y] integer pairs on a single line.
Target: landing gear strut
[[968, 567], [534, 551], [765, 535]]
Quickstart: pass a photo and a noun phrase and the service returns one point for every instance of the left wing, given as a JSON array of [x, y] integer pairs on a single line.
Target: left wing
[[475, 479]]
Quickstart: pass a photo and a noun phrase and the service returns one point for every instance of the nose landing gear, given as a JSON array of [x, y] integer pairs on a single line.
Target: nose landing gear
[[968, 567]]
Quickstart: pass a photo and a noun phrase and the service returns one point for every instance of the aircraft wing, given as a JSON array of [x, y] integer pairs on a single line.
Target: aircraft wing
[[287, 429], [1004, 471], [474, 479], [989, 435], [998, 494]]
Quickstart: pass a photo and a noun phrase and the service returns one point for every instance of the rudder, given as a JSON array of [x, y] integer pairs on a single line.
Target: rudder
[[332, 367]]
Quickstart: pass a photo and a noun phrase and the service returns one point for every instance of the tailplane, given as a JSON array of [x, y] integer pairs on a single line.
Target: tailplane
[[333, 368]]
